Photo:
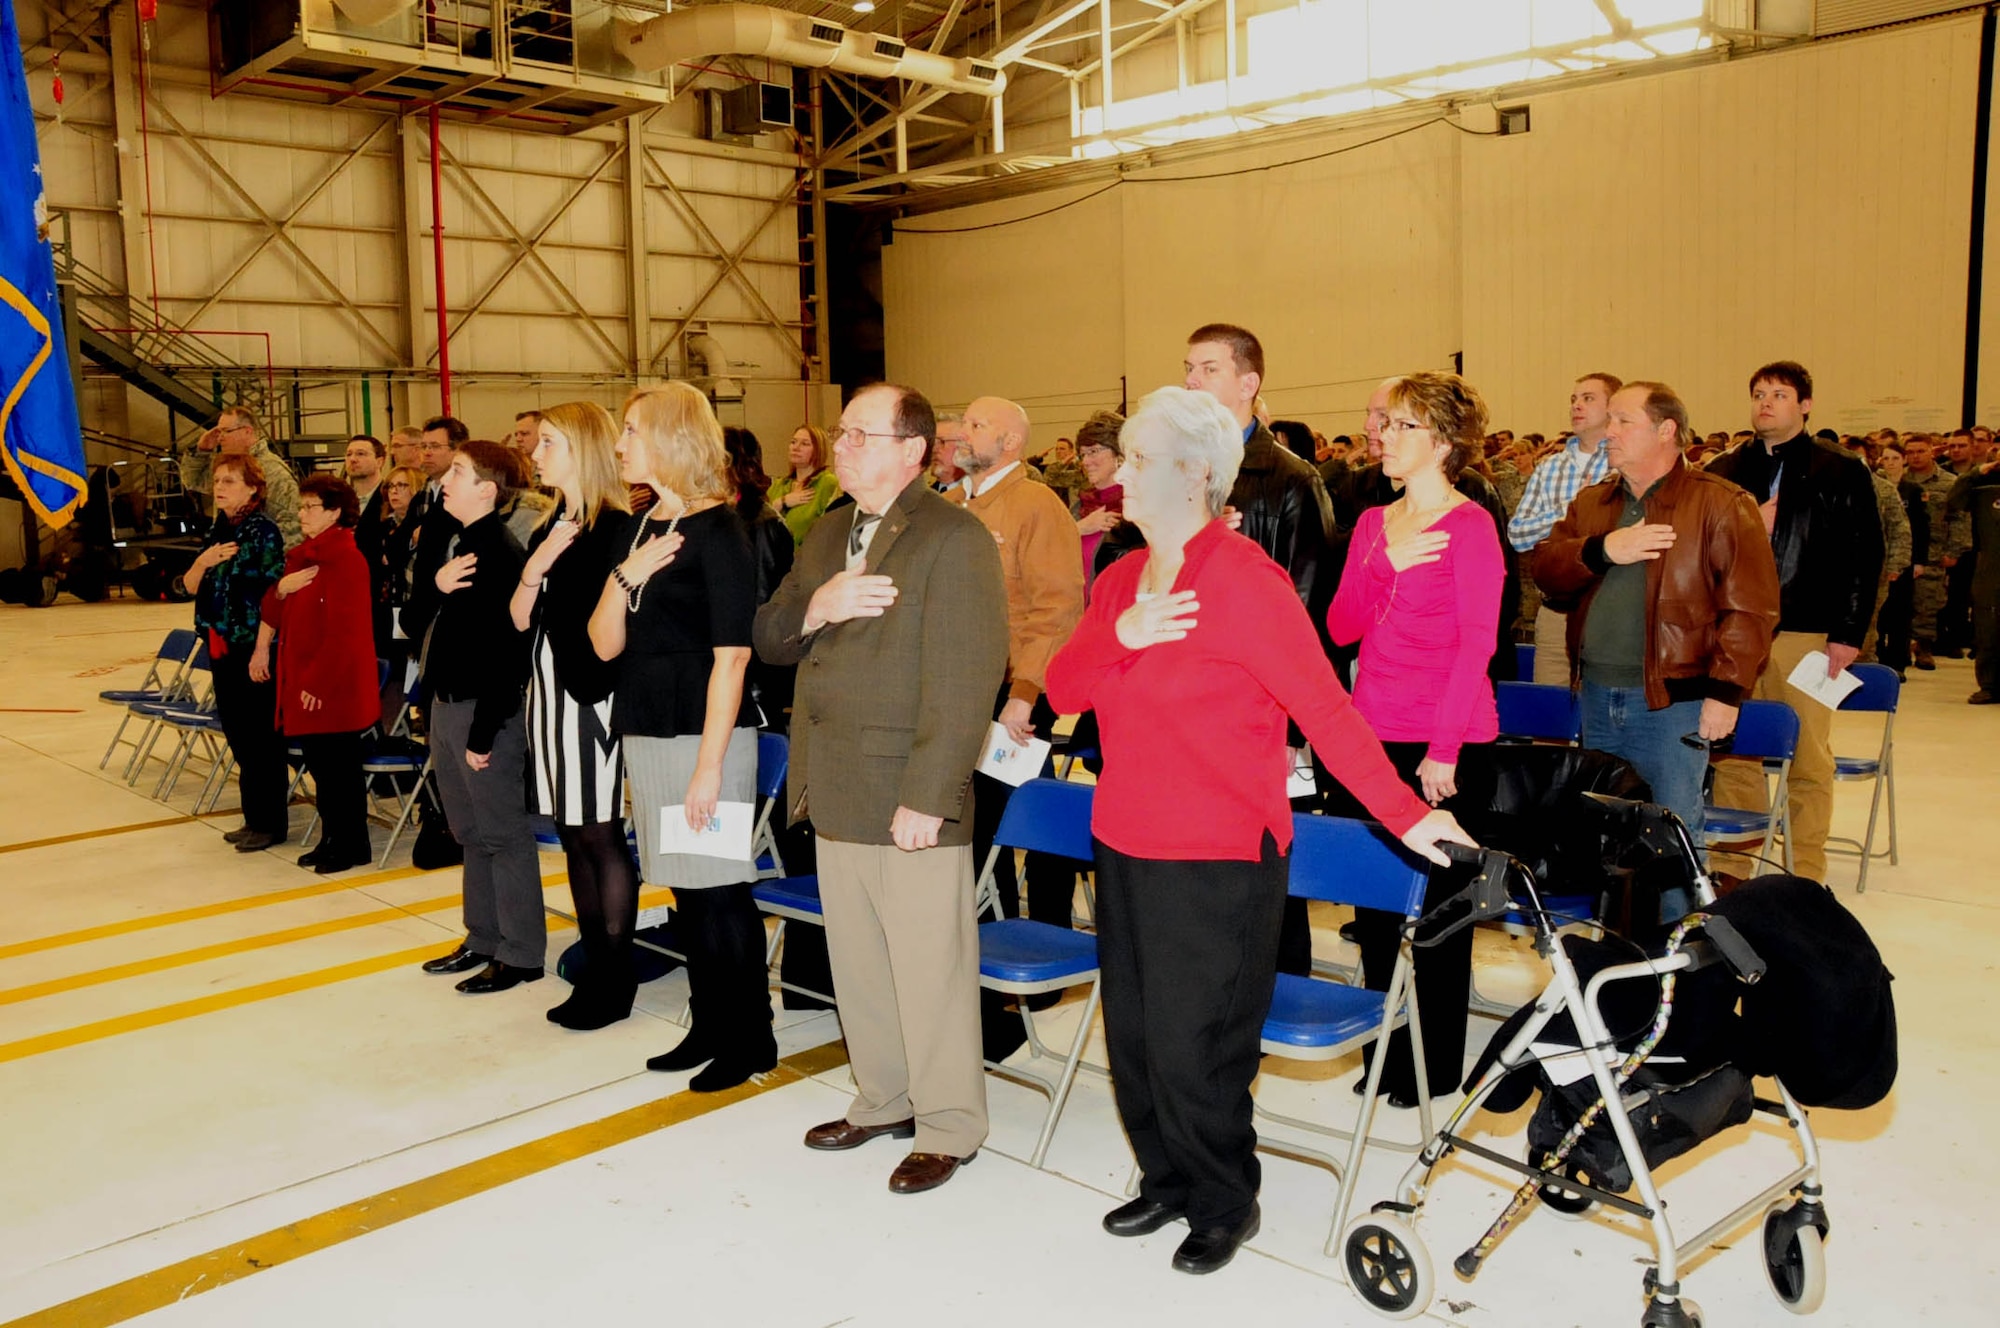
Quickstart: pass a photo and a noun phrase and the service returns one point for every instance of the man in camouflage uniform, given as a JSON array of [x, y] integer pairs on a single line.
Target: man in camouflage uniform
[[1895, 553], [1950, 538]]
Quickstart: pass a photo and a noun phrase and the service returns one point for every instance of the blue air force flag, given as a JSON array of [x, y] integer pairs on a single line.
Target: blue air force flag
[[39, 435]]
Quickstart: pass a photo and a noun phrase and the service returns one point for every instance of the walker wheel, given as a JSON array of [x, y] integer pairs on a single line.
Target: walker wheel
[[1681, 1313], [1794, 1259], [1388, 1266]]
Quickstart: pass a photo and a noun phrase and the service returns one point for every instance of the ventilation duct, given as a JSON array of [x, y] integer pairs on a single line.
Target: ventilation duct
[[703, 31]]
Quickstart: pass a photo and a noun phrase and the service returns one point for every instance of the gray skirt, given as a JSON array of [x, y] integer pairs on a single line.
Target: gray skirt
[[659, 770]]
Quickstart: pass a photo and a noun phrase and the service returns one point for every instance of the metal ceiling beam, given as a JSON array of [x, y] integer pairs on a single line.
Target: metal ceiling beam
[[278, 232], [1003, 56]]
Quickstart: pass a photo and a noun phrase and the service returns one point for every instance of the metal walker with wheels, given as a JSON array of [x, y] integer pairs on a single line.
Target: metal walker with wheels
[[1385, 1259]]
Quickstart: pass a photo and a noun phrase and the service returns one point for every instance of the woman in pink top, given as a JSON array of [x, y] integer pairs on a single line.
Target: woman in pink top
[[1421, 592]]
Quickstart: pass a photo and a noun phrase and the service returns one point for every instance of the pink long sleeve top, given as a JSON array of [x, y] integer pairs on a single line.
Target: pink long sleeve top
[[1426, 633]]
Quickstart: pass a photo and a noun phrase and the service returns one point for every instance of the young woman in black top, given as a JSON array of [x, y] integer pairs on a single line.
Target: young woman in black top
[[573, 754], [475, 666], [676, 614]]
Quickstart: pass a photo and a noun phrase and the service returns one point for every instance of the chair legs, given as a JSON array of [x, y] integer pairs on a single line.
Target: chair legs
[[1068, 1077]]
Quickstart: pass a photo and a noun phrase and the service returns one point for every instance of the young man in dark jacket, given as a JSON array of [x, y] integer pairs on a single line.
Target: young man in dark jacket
[[1818, 504]]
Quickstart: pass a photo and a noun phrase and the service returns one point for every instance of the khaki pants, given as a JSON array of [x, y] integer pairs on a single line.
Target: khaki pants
[[1741, 783], [904, 945], [1551, 647]]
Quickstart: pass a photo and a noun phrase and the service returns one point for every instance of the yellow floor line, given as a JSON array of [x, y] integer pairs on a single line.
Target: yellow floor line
[[240, 1259], [204, 911], [221, 1000], [223, 949], [105, 833]]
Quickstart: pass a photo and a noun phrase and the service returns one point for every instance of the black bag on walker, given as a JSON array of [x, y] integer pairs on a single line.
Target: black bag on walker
[[1669, 1118]]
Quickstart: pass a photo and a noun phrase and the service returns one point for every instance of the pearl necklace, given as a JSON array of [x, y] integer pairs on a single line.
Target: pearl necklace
[[633, 593]]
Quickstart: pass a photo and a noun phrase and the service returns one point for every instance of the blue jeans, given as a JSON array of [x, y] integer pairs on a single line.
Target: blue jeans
[[1616, 720]]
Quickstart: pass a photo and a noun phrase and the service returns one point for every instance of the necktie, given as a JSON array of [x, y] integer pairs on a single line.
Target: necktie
[[859, 531]]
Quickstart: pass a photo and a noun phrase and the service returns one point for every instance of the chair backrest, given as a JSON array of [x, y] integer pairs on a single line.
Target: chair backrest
[[1341, 861], [177, 650], [1767, 731], [774, 755], [1538, 710], [1048, 816], [1524, 662], [382, 667], [1880, 689]]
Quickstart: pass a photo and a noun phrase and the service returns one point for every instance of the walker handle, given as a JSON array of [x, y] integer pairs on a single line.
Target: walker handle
[[1729, 942]]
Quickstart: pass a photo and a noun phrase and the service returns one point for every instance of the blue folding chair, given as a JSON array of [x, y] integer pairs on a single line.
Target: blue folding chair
[[1880, 692], [774, 758], [789, 899], [166, 680], [1524, 662], [1766, 732], [1021, 957], [1538, 712], [1340, 861]]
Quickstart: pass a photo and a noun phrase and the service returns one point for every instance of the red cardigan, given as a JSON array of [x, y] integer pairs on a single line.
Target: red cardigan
[[1193, 731], [326, 639]]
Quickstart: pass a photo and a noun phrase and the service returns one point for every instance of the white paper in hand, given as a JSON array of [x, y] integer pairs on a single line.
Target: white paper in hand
[[1011, 762], [1299, 783], [727, 834], [1810, 678]]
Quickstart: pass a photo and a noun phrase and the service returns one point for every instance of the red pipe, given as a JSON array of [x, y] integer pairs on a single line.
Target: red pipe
[[437, 262]]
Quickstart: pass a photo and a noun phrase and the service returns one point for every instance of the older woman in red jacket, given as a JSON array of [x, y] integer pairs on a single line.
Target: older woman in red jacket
[[319, 613]]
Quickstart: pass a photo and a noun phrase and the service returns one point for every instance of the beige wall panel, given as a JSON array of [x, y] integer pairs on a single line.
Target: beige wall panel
[[1346, 268], [1031, 311], [1693, 225]]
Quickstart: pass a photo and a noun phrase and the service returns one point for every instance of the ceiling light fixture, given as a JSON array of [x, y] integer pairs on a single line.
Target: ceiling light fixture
[[864, 6]]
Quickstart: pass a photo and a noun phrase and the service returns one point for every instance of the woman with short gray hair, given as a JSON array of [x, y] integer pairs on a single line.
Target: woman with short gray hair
[[1192, 654]]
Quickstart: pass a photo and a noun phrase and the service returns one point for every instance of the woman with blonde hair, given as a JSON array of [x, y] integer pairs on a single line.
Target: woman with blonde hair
[[809, 486], [573, 754], [676, 614]]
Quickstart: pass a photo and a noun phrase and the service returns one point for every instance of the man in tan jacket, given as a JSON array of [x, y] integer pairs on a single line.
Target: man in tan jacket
[[1041, 555], [895, 616]]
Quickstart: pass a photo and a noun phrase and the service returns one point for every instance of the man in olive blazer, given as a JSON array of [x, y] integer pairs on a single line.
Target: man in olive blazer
[[895, 613]]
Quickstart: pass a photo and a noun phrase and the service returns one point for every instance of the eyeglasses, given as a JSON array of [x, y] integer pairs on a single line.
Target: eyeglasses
[[1095, 450], [399, 484], [856, 436], [311, 507], [1400, 427]]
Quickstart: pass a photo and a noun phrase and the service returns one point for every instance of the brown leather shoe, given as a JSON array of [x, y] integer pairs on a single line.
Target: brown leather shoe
[[837, 1136], [925, 1171]]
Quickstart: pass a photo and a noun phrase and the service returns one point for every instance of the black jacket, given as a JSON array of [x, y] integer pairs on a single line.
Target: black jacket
[[471, 649], [770, 685], [1911, 495], [1828, 540], [569, 596], [1285, 510]]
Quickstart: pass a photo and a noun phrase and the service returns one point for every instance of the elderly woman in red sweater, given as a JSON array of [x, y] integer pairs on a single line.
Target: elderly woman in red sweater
[[1192, 653], [321, 617], [1421, 592]]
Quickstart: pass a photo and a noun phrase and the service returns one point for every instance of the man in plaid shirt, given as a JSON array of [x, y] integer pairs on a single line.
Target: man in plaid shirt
[[1551, 487]]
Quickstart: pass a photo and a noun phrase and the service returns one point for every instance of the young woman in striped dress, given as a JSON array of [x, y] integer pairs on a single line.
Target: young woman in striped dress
[[572, 751]]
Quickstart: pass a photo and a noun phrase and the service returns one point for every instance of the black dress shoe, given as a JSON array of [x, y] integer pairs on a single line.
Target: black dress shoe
[[458, 961], [1141, 1217], [257, 841], [497, 976], [1210, 1248], [689, 1052], [1983, 697], [328, 866], [728, 1071], [238, 835]]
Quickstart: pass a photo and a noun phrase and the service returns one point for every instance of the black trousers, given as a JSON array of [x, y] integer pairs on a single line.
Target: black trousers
[[1954, 623], [248, 711], [1189, 954], [1896, 623], [723, 934], [334, 762], [1443, 972], [1986, 625]]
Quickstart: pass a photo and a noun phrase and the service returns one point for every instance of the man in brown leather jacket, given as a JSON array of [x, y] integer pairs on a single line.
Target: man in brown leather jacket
[[1672, 595]]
